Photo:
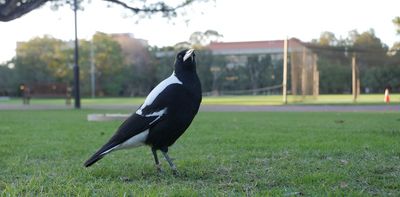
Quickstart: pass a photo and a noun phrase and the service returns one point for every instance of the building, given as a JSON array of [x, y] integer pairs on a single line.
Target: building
[[304, 75], [134, 49], [274, 48]]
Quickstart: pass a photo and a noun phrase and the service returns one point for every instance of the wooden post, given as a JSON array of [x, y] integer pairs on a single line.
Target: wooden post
[[284, 82], [316, 84], [358, 83], [354, 78], [92, 70], [294, 70], [304, 66], [315, 77], [358, 80]]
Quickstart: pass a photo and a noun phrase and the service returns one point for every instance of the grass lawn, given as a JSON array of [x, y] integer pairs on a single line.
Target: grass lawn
[[337, 99], [263, 153]]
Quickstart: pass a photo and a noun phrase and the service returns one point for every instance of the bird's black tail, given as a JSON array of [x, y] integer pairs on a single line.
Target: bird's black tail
[[93, 159], [107, 148]]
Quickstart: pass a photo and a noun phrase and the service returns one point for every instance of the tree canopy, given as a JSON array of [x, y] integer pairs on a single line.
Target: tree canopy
[[396, 22], [12, 9]]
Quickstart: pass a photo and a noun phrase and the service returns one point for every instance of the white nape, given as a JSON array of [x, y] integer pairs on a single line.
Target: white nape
[[157, 90]]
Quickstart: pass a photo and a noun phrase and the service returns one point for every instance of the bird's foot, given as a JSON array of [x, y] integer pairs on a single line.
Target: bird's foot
[[159, 169], [175, 172]]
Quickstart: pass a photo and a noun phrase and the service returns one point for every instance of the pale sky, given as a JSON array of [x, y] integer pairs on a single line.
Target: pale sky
[[236, 20]]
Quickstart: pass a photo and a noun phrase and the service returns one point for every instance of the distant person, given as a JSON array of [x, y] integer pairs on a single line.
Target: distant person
[[388, 89], [68, 96], [26, 94]]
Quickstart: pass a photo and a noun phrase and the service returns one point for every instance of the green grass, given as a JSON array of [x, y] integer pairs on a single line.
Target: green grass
[[338, 99], [223, 154]]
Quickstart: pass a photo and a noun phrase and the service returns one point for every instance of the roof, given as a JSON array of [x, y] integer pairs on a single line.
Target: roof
[[252, 47]]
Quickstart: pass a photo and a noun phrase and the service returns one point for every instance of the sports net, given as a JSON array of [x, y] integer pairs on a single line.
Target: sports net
[[256, 68], [303, 74]]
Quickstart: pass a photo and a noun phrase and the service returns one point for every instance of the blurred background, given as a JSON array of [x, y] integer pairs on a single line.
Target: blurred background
[[333, 47]]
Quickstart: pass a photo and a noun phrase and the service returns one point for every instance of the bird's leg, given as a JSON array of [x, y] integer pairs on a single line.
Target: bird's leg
[[172, 165], [158, 166]]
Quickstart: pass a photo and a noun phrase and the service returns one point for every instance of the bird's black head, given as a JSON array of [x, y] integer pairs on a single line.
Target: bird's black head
[[185, 60]]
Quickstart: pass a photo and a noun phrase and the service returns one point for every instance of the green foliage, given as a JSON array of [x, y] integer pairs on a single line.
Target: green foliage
[[109, 64], [200, 39], [379, 78], [47, 60], [9, 81], [42, 60], [377, 68], [335, 73], [396, 21], [372, 50], [222, 154], [327, 39]]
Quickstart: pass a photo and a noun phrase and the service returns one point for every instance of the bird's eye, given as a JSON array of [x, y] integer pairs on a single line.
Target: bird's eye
[[179, 56]]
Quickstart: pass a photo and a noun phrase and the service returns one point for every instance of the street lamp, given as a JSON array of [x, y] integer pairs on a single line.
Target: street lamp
[[76, 65]]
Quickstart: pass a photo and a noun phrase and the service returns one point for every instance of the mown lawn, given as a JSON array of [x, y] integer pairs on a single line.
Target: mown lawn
[[229, 154]]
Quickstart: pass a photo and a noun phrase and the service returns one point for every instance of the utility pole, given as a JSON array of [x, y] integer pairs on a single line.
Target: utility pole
[[284, 82], [76, 65]]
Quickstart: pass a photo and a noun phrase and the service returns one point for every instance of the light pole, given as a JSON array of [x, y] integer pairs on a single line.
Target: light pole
[[76, 65]]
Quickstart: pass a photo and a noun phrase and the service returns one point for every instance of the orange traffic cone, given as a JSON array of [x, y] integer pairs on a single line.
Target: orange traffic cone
[[387, 97]]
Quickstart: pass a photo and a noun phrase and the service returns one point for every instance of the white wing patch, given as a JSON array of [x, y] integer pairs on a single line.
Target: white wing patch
[[135, 141], [159, 114], [155, 92]]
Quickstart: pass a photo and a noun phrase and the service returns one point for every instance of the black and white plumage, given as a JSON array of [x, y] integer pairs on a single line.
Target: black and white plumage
[[164, 116]]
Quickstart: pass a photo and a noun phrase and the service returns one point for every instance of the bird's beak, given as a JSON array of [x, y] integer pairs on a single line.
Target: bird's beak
[[188, 54]]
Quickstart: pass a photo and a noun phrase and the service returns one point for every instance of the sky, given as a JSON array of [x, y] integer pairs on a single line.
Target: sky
[[236, 20]]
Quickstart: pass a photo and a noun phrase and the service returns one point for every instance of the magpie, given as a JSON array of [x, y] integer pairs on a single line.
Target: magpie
[[164, 116]]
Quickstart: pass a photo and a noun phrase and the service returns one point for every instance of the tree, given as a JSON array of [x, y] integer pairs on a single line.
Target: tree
[[377, 68], [257, 67], [396, 46], [45, 60], [9, 81], [109, 64], [372, 57], [377, 78], [200, 39], [139, 72], [335, 75], [42, 60], [205, 60], [12, 9], [396, 22], [327, 39]]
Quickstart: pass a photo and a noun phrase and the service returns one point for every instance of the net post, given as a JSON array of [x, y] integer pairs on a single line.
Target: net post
[[354, 77], [284, 82]]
